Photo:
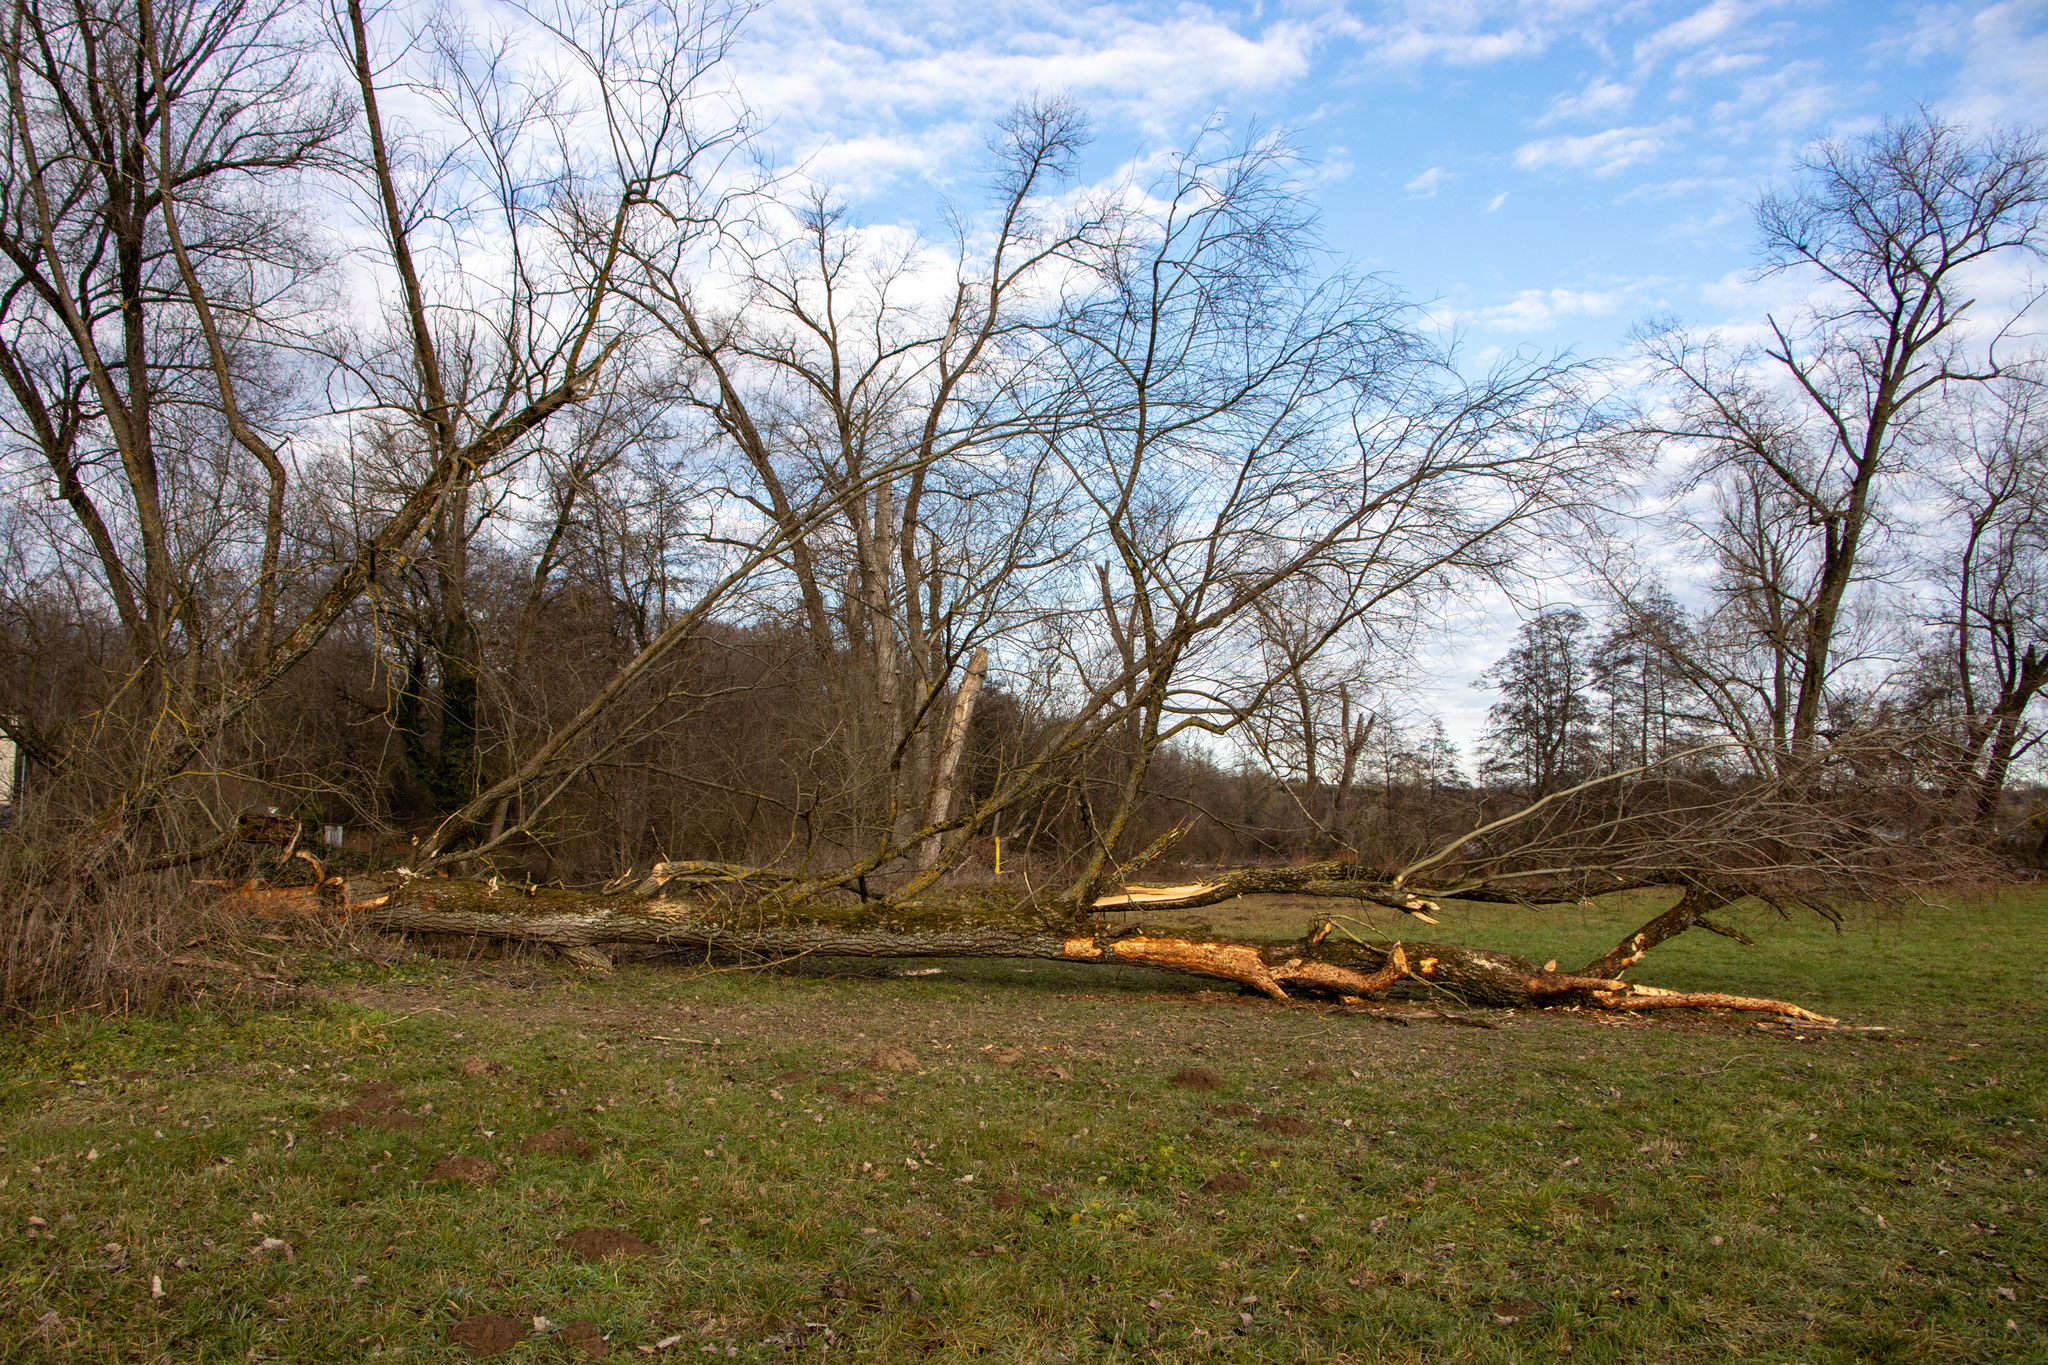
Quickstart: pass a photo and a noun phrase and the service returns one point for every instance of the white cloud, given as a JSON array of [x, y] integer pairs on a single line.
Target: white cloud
[[926, 77], [1602, 154], [2005, 63], [1708, 24], [1600, 98], [1495, 202], [1425, 186], [1477, 32], [1791, 98], [1536, 310]]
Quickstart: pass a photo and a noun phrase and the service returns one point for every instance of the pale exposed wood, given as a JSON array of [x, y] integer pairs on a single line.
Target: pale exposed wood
[[1154, 895], [950, 751], [1650, 998]]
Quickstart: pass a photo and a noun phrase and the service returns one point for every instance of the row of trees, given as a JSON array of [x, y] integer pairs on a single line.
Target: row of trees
[[450, 431]]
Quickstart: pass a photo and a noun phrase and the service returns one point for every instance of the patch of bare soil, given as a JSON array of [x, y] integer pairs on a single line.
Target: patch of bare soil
[[477, 1067], [1599, 1205], [586, 1337], [1236, 1109], [865, 1097], [1006, 1056], [1005, 1199], [1226, 1182], [1507, 1312], [1284, 1125], [493, 1334], [896, 1059], [1196, 1078], [597, 1244], [1316, 1073], [472, 1170], [834, 1089], [376, 1106], [555, 1142]]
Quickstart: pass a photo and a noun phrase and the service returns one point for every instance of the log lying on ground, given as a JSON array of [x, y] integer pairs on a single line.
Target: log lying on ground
[[584, 926]]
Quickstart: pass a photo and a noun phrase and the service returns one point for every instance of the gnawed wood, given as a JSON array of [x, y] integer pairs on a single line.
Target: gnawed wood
[[1154, 895], [1348, 881], [582, 926], [1650, 998]]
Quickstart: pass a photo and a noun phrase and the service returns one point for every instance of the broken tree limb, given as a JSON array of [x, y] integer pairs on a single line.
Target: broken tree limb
[[1689, 913], [1336, 879], [584, 926]]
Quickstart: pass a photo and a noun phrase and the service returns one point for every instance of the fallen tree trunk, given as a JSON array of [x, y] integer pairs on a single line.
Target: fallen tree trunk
[[584, 926]]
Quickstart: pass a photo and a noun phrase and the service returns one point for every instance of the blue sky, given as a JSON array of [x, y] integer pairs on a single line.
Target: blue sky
[[1547, 171], [1544, 173]]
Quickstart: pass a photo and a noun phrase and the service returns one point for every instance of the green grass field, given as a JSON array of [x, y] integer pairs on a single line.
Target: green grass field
[[1681, 1188]]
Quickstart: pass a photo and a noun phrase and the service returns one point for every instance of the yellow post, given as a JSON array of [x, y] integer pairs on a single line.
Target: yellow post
[[999, 855]]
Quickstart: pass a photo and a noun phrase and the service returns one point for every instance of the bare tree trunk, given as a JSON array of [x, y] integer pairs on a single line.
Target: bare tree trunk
[[950, 751]]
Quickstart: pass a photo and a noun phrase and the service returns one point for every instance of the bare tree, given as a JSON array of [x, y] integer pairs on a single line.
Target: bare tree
[[1994, 622], [1805, 435], [164, 280]]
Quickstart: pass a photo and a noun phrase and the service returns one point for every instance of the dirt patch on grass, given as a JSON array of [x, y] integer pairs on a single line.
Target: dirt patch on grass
[[1227, 1182], [834, 1089], [893, 1059], [356, 1116], [493, 1334], [376, 1106], [598, 1244], [1283, 1124], [787, 1077], [1196, 1078], [555, 1142], [1236, 1109], [865, 1097], [586, 1337], [477, 1067], [1005, 1199], [471, 1170], [1599, 1205], [337, 1118]]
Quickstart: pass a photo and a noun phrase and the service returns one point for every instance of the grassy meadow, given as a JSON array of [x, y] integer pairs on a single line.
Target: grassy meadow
[[381, 1171]]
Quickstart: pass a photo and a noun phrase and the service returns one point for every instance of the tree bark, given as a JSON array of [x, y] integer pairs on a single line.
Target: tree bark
[[950, 750], [1353, 970]]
